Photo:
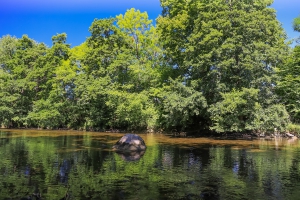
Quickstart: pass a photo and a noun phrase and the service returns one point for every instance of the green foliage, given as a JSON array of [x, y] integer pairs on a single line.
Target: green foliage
[[131, 110], [288, 86], [236, 112], [296, 24], [45, 114], [240, 111], [8, 46], [224, 45], [215, 64], [181, 105], [273, 116], [16, 88], [293, 128], [136, 25], [59, 38]]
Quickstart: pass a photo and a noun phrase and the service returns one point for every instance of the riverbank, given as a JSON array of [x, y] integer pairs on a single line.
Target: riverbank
[[292, 132]]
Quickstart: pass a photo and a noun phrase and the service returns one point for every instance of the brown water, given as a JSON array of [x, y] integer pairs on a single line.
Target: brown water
[[79, 165]]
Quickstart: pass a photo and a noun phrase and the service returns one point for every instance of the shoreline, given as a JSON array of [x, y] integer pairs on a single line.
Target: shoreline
[[188, 134]]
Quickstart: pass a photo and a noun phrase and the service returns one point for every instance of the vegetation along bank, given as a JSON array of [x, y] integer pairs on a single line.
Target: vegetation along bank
[[221, 66]]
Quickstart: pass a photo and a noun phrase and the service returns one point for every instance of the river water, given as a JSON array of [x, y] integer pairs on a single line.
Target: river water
[[81, 165]]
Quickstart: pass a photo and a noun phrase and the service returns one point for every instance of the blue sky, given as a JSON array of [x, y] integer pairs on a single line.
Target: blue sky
[[41, 19]]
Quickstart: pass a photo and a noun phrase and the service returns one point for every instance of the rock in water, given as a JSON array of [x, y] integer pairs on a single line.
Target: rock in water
[[130, 142]]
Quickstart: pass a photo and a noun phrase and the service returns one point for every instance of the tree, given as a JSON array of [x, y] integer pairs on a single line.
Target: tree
[[224, 46], [296, 24], [136, 25], [132, 111], [59, 38], [241, 111], [120, 71], [51, 80], [289, 80], [18, 59], [146, 70], [8, 46], [181, 106], [45, 114]]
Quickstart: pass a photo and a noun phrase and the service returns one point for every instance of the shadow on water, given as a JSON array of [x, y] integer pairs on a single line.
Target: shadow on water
[[76, 165]]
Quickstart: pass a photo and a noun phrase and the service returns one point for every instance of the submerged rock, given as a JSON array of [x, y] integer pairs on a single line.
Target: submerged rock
[[129, 143]]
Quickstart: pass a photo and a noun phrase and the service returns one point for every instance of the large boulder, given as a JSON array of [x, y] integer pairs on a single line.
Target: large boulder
[[129, 143]]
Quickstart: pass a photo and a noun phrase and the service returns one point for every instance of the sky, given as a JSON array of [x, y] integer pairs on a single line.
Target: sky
[[41, 19]]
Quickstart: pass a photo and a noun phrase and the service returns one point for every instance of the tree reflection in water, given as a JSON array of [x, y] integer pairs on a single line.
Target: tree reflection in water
[[83, 166]]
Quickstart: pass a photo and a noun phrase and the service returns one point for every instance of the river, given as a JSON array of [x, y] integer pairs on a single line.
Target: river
[[81, 165]]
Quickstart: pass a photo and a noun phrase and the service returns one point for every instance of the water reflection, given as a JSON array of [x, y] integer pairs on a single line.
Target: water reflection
[[82, 166], [64, 171], [131, 156]]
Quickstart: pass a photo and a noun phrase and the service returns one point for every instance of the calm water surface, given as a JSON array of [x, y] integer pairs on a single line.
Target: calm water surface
[[77, 165]]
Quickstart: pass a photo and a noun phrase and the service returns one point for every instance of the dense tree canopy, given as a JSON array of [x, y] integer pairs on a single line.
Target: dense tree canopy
[[288, 87], [225, 47], [220, 66]]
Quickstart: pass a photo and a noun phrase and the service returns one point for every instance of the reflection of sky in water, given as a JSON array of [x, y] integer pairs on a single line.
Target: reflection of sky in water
[[272, 186], [193, 160], [235, 168], [27, 171], [167, 159], [64, 171]]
